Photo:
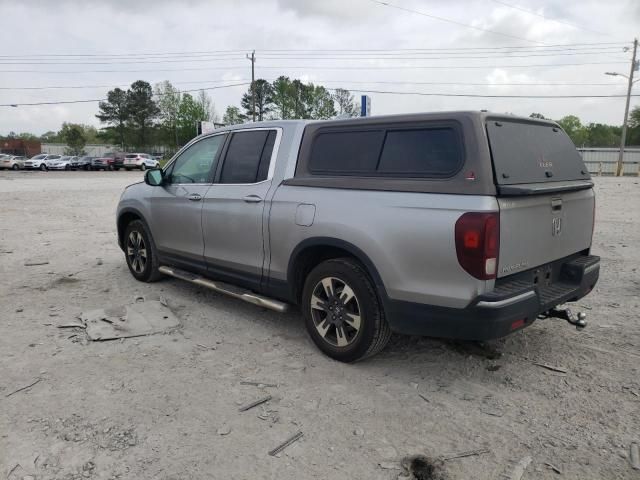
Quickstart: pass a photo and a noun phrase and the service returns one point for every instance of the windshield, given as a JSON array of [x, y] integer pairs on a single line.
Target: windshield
[[38, 157], [531, 152]]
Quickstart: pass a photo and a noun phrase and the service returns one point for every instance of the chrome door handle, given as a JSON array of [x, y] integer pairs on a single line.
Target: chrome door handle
[[195, 197], [252, 199]]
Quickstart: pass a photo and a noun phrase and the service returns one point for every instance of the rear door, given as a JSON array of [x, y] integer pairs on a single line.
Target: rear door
[[234, 206], [544, 194], [176, 206]]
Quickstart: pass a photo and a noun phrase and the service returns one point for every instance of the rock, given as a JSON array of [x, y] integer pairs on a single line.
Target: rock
[[358, 432], [224, 430]]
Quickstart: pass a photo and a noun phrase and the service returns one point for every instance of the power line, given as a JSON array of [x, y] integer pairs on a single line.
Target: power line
[[267, 51], [319, 81], [522, 9], [448, 20], [94, 100], [342, 58], [386, 92], [320, 67], [123, 84], [468, 95]]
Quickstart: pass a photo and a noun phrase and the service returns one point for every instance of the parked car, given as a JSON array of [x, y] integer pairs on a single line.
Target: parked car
[[464, 225], [39, 162], [62, 163], [101, 163], [142, 161], [80, 163], [13, 162], [118, 159]]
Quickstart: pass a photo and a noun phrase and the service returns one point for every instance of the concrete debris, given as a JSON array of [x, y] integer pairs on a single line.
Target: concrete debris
[[125, 321], [634, 456], [521, 466]]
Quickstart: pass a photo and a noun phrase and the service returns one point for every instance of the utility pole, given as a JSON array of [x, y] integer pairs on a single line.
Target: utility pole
[[253, 83], [623, 139]]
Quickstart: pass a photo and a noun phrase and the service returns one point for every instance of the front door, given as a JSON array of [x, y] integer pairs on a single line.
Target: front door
[[234, 207], [177, 205]]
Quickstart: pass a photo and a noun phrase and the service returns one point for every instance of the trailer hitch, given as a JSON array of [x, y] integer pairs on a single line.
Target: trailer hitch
[[578, 320]]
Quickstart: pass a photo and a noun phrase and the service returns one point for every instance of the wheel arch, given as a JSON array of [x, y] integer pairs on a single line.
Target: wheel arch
[[312, 251], [125, 217]]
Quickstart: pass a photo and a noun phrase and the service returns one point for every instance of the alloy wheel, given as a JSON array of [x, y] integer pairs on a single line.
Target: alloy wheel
[[136, 251], [335, 312]]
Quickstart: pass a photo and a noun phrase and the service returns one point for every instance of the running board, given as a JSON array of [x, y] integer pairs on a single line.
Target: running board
[[227, 289]]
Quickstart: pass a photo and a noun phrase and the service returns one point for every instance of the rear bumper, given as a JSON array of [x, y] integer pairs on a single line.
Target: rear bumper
[[514, 304]]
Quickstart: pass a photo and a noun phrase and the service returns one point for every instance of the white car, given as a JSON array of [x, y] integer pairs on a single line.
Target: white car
[[139, 160], [14, 162], [62, 163], [39, 162]]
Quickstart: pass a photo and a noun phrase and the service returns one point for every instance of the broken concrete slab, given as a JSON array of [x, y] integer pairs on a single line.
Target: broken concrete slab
[[125, 321]]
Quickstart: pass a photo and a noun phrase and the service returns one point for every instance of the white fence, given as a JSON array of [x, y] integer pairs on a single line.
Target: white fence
[[93, 150], [604, 161]]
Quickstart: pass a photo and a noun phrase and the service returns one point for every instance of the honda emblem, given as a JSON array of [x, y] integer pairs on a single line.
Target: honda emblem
[[556, 226]]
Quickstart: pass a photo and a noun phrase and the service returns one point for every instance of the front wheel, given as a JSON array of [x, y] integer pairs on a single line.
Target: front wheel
[[43, 167], [143, 167], [15, 167], [342, 311], [140, 252]]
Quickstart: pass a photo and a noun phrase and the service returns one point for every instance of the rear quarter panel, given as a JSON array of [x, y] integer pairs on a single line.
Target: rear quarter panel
[[409, 237]]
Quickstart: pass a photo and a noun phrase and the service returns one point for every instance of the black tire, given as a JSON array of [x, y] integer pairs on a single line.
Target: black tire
[[43, 167], [116, 168], [373, 331], [67, 167], [128, 169], [143, 167], [15, 166], [149, 271]]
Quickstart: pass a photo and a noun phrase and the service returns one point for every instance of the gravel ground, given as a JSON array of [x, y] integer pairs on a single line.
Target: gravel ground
[[166, 406]]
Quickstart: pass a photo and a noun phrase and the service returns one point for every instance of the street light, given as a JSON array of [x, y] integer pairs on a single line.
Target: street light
[[623, 137]]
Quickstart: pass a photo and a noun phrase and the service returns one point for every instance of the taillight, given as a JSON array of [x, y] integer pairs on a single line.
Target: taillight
[[477, 243]]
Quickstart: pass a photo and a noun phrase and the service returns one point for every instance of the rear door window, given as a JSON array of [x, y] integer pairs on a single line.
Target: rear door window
[[526, 152], [248, 157]]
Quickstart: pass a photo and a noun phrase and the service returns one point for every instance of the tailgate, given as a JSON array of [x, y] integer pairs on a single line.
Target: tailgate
[[537, 229], [544, 194]]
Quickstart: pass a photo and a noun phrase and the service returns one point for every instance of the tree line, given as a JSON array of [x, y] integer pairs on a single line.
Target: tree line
[[599, 134], [285, 99], [142, 115]]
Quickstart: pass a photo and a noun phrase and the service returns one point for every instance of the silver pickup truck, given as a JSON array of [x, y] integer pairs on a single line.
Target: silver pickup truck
[[463, 225]]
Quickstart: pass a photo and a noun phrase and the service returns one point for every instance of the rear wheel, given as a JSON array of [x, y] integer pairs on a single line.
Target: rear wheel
[[342, 311], [140, 252], [15, 166]]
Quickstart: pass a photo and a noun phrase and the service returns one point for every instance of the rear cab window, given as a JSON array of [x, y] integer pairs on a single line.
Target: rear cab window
[[530, 152], [414, 152]]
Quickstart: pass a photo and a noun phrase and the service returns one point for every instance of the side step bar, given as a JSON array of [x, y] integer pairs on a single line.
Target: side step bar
[[227, 289]]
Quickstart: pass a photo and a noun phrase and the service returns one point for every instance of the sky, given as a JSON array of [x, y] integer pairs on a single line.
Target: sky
[[460, 47]]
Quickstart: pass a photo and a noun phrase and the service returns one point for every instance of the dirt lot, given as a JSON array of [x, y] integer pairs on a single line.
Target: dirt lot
[[166, 406]]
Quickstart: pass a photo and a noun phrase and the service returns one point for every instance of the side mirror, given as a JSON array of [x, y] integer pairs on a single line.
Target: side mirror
[[153, 177]]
